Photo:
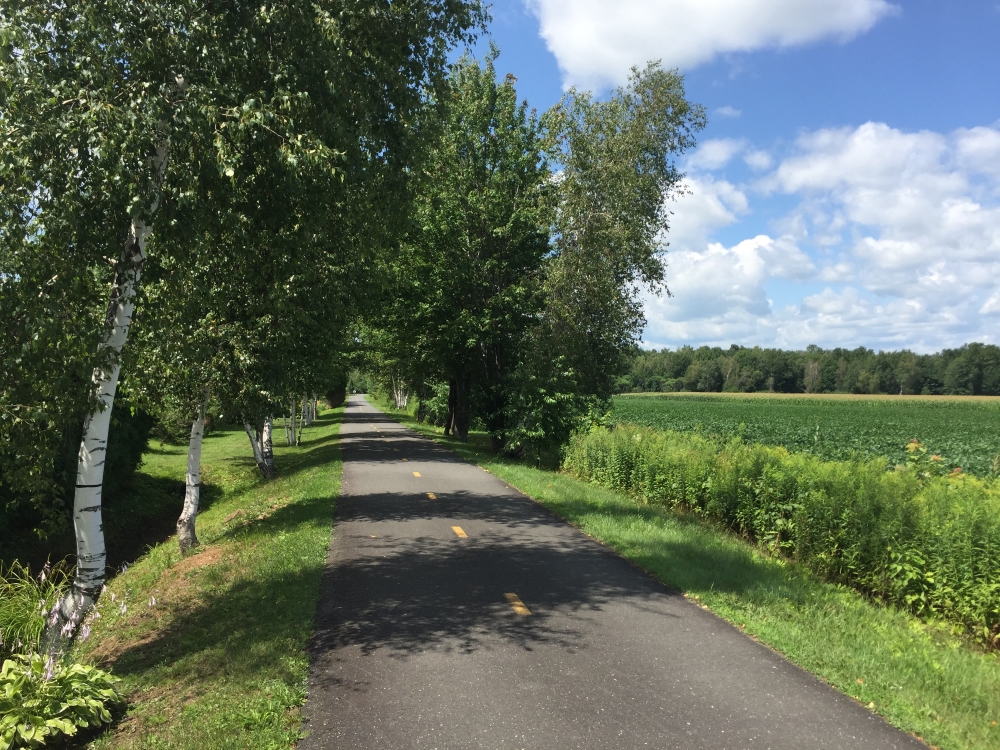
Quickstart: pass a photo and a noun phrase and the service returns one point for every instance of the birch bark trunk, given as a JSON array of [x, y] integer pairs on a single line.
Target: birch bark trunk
[[68, 613], [267, 449], [258, 454], [186, 537]]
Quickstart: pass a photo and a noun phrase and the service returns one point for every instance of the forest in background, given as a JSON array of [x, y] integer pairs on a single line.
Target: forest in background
[[971, 370]]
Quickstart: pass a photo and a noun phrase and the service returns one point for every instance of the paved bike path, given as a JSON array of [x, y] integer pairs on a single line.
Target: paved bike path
[[473, 618]]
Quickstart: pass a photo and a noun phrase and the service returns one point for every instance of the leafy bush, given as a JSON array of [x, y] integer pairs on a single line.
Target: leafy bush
[[24, 603], [35, 516], [909, 536], [435, 408], [41, 699]]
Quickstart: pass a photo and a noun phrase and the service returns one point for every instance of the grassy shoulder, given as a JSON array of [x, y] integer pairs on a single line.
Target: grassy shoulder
[[921, 678], [212, 648]]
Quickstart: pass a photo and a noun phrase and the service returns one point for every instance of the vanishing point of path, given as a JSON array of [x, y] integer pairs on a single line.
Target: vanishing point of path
[[457, 613]]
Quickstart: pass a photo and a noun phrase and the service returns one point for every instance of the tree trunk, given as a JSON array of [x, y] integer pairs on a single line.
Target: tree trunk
[[421, 396], [91, 556], [186, 536], [267, 448], [449, 423], [294, 425], [461, 411], [258, 454]]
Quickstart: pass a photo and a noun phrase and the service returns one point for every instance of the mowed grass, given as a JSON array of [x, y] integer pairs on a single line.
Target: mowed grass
[[212, 648], [965, 431], [920, 677]]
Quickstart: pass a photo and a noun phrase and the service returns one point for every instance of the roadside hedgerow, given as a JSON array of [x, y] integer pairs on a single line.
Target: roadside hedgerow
[[918, 535]]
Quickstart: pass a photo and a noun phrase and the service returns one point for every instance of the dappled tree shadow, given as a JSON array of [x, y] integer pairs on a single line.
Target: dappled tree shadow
[[226, 622]]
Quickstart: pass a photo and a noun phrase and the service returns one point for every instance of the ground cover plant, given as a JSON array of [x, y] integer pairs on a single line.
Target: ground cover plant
[[920, 676], [965, 432], [210, 648], [43, 700]]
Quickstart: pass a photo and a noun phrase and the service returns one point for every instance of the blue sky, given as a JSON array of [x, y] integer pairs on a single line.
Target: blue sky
[[846, 191]]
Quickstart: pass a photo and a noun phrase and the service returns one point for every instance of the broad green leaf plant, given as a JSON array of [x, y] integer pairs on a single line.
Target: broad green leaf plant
[[42, 699]]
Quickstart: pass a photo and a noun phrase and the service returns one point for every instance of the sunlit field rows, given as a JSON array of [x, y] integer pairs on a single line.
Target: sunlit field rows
[[965, 432]]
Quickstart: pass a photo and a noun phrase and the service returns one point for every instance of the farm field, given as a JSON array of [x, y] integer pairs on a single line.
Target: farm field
[[965, 432]]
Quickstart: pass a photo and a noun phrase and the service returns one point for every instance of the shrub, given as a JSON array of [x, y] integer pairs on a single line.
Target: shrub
[[41, 699], [24, 603], [911, 536]]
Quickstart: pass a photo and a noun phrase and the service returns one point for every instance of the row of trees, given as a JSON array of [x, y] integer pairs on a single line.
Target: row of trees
[[971, 370], [225, 210], [514, 298], [235, 175]]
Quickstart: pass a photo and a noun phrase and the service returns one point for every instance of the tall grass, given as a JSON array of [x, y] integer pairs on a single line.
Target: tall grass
[[928, 543], [25, 600]]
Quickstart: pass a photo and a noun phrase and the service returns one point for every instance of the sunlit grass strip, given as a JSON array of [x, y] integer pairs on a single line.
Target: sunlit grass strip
[[921, 677], [211, 648]]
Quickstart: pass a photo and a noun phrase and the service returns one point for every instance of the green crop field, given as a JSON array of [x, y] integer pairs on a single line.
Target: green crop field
[[964, 432]]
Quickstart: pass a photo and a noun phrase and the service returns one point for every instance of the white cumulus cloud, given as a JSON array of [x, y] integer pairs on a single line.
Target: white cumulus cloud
[[922, 221], [891, 238], [596, 42]]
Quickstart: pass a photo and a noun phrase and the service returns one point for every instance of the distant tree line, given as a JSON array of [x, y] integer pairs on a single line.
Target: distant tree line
[[971, 370]]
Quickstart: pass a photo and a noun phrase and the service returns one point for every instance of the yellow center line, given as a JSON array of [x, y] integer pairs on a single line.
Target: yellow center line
[[517, 604], [459, 533], [416, 473], [431, 496]]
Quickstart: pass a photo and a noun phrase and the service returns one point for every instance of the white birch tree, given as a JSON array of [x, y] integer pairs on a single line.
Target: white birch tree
[[186, 533]]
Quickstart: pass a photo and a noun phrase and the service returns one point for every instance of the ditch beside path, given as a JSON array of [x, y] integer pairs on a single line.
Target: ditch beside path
[[457, 613]]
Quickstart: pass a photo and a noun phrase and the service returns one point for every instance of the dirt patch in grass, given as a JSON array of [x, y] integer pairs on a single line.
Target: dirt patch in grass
[[205, 557]]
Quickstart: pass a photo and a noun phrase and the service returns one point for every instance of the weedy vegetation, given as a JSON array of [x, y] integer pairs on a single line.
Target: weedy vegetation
[[910, 537]]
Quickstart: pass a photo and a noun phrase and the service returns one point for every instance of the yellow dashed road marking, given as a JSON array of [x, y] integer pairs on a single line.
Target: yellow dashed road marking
[[432, 496], [404, 459], [517, 604], [416, 473], [461, 535]]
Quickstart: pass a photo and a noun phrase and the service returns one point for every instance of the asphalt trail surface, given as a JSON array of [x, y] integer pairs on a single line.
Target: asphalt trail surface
[[477, 619]]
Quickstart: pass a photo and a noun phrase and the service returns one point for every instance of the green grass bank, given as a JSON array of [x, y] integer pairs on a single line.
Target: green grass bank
[[212, 648], [921, 676]]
